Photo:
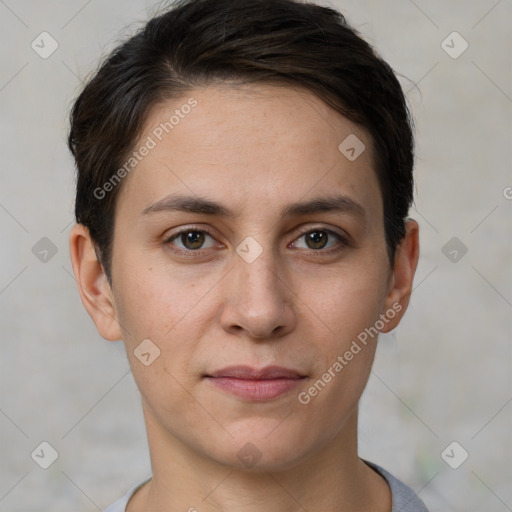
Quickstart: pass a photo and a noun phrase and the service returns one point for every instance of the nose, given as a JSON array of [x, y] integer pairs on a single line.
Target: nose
[[258, 299]]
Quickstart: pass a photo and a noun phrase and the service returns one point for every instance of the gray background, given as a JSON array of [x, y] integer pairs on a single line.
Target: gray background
[[444, 375]]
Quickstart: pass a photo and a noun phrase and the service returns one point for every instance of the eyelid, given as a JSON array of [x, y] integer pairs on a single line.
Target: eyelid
[[309, 229]]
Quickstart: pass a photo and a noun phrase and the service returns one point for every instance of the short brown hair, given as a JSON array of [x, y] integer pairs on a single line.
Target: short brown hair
[[197, 43]]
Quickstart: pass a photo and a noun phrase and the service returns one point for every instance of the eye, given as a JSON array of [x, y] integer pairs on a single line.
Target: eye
[[318, 239], [191, 239]]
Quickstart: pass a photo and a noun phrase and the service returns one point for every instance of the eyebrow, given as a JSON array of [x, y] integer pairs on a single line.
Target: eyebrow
[[201, 205]]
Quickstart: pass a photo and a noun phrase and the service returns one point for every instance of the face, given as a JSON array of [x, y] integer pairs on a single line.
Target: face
[[251, 252]]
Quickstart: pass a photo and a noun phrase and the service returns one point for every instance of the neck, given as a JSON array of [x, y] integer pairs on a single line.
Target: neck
[[334, 479]]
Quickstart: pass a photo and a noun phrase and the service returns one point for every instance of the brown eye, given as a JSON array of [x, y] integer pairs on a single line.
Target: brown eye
[[190, 240], [320, 240], [316, 239]]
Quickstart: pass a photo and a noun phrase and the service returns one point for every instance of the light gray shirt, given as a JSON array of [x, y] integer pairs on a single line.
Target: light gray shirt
[[403, 498]]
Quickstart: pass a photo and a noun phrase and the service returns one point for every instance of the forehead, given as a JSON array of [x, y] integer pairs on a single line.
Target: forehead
[[252, 145]]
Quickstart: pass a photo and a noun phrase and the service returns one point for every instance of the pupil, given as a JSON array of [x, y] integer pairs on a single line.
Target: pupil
[[317, 238], [194, 239]]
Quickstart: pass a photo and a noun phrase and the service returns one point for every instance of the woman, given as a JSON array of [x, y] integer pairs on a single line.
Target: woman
[[244, 179]]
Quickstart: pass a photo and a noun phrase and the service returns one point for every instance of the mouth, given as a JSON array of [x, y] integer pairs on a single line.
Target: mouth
[[256, 384]]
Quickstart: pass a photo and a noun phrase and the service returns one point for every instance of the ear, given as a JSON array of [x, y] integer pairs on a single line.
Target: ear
[[402, 276], [93, 285]]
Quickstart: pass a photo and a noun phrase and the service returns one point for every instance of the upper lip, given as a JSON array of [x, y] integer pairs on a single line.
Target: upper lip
[[249, 373]]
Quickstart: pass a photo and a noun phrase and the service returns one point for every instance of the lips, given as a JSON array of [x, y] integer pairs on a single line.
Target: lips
[[254, 384], [249, 373]]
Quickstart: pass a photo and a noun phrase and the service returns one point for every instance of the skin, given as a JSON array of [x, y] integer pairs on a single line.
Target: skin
[[254, 149]]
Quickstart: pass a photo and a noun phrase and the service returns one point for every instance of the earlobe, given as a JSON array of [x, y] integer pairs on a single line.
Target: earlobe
[[94, 288], [404, 268]]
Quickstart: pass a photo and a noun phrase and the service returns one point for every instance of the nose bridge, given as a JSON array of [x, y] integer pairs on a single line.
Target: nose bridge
[[257, 269], [258, 299]]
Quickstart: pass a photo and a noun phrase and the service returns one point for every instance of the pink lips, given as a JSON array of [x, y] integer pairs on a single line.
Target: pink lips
[[253, 384]]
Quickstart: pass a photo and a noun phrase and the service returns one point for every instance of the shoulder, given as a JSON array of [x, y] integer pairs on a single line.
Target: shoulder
[[120, 505], [404, 499]]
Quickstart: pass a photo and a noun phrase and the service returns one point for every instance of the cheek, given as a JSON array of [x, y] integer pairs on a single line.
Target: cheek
[[170, 306], [347, 306], [164, 309], [346, 299], [152, 300]]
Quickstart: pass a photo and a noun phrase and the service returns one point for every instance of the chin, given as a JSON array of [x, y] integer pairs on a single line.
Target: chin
[[265, 446]]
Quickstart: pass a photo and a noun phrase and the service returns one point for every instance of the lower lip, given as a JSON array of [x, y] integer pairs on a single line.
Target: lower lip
[[256, 390]]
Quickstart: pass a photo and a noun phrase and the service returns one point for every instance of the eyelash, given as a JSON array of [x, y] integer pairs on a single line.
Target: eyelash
[[343, 241]]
